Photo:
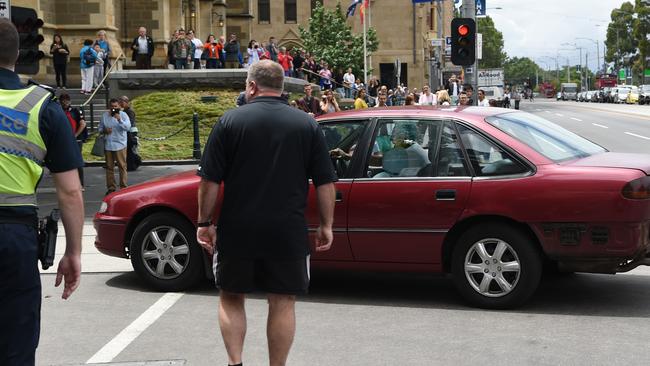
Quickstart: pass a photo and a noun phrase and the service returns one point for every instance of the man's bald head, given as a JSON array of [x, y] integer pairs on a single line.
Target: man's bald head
[[9, 43]]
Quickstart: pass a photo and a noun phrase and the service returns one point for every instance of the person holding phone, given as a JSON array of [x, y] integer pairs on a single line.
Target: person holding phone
[[114, 126]]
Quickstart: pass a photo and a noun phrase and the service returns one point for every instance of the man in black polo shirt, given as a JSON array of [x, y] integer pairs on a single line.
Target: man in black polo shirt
[[264, 152], [20, 169]]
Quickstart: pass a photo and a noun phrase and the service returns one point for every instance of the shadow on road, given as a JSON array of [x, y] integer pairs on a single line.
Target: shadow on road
[[578, 294]]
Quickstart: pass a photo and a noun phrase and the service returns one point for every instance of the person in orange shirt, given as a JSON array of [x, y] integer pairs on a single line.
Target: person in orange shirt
[[212, 48]]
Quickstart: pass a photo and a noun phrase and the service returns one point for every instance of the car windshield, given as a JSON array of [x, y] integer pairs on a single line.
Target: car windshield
[[547, 138], [570, 89], [623, 90], [645, 88]]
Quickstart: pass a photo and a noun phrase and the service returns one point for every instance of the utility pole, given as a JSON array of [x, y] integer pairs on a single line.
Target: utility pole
[[469, 11], [587, 70]]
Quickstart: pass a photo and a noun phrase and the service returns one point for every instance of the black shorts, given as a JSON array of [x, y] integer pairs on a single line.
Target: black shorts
[[276, 276]]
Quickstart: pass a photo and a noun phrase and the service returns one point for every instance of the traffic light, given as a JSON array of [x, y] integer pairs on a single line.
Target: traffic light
[[28, 24], [463, 41]]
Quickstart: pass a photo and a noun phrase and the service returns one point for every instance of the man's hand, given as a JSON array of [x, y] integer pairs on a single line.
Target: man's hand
[[70, 271], [324, 238], [207, 237]]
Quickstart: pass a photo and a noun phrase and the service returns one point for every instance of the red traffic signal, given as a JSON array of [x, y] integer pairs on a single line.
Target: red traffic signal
[[463, 41], [28, 25]]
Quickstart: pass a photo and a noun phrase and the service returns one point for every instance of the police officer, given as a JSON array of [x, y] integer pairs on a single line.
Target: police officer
[[34, 132]]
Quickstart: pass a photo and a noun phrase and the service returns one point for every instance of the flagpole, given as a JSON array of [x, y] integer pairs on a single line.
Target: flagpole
[[365, 54]]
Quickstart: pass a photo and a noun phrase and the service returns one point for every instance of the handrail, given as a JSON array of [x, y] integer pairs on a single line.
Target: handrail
[[104, 79]]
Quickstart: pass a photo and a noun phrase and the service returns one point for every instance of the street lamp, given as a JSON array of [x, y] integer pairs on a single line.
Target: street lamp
[[577, 48], [597, 52]]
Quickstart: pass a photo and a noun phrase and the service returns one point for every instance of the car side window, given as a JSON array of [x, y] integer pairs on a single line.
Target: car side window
[[404, 148], [487, 158], [450, 161], [342, 139]]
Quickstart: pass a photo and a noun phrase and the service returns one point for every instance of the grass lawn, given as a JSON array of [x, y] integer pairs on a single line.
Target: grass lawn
[[164, 113]]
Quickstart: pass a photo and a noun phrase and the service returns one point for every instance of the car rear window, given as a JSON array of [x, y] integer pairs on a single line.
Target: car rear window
[[545, 137]]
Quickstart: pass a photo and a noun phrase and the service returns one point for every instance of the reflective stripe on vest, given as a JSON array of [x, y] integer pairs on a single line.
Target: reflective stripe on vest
[[22, 150]]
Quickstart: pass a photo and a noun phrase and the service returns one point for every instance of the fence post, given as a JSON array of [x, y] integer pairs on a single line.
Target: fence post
[[197, 144], [92, 117]]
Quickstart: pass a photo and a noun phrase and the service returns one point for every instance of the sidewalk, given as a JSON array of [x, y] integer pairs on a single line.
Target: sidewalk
[[95, 177]]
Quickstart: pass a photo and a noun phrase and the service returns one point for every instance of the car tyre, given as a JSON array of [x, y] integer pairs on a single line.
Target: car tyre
[[165, 254], [512, 274]]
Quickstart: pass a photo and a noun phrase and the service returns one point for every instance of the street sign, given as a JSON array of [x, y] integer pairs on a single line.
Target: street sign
[[480, 8], [448, 41], [469, 70], [479, 46], [5, 9], [436, 43], [490, 77], [621, 74], [646, 73]]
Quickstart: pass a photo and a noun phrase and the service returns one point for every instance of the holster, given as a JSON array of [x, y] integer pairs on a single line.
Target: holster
[[48, 228]]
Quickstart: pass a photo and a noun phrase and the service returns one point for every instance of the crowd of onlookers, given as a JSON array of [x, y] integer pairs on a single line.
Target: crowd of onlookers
[[186, 51]]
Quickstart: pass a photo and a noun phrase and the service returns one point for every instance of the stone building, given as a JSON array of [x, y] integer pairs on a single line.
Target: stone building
[[404, 30]]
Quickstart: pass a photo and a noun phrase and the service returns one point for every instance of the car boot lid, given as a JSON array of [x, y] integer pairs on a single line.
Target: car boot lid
[[615, 160]]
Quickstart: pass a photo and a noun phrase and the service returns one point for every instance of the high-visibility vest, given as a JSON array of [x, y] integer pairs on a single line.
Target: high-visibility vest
[[22, 150]]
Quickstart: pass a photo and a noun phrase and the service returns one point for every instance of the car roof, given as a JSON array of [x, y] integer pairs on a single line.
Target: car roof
[[463, 112]]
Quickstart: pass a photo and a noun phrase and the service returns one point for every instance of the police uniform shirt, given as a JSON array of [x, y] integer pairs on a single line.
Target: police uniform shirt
[[62, 149], [265, 152]]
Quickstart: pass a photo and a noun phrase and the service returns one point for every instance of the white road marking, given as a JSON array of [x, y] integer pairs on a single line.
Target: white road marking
[[576, 119], [639, 136], [539, 110], [596, 124], [559, 115], [547, 111], [131, 332]]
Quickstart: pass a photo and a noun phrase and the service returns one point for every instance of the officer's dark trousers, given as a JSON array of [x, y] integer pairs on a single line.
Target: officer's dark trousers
[[20, 295]]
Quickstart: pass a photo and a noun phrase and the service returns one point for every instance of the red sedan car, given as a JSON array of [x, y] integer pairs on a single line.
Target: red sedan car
[[486, 194]]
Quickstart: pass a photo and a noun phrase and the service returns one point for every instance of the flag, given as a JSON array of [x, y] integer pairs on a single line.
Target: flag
[[352, 8], [365, 5]]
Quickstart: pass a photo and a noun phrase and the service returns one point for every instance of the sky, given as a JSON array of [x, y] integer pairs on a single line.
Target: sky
[[537, 28]]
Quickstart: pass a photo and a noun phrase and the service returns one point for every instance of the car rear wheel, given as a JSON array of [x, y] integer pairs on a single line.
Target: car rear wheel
[[164, 252], [496, 266]]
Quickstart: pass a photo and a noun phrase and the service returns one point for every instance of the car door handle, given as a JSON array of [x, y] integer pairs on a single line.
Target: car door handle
[[339, 196], [446, 195]]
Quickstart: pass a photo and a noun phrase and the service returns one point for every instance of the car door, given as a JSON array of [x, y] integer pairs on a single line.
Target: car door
[[342, 139], [415, 187]]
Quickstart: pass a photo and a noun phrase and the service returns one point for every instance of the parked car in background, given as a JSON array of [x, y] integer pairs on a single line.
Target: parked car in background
[[580, 97], [621, 94], [633, 95], [613, 92], [644, 94], [558, 96], [485, 194], [589, 94]]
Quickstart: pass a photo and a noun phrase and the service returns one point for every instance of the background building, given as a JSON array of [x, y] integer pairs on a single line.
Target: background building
[[405, 31]]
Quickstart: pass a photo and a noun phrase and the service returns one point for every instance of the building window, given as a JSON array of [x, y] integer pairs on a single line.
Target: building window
[[313, 5], [264, 10], [290, 12]]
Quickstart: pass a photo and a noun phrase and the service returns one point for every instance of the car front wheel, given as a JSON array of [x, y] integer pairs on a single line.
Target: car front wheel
[[164, 252], [496, 266]]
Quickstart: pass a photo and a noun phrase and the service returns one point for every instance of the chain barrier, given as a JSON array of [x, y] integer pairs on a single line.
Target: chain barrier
[[165, 137]]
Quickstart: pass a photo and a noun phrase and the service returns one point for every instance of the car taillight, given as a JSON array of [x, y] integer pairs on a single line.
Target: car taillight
[[638, 189]]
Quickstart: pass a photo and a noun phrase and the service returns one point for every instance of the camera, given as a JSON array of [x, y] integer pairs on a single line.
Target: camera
[[254, 46], [115, 111]]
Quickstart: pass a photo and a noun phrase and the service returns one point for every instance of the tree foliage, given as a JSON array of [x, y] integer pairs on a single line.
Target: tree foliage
[[620, 46], [329, 37], [519, 69], [493, 54], [640, 32]]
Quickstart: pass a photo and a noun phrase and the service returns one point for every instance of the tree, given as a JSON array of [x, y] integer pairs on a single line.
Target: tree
[[641, 29], [328, 37], [517, 70], [620, 46], [493, 55]]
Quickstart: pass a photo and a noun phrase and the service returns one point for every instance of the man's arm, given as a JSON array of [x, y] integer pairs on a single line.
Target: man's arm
[[208, 194], [326, 197], [68, 191]]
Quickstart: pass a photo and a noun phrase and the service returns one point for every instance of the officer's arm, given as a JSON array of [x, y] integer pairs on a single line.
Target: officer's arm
[[68, 191]]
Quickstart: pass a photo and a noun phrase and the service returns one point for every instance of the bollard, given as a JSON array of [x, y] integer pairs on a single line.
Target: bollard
[[197, 144]]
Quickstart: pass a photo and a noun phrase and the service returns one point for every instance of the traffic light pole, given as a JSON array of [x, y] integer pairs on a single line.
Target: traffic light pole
[[469, 11]]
